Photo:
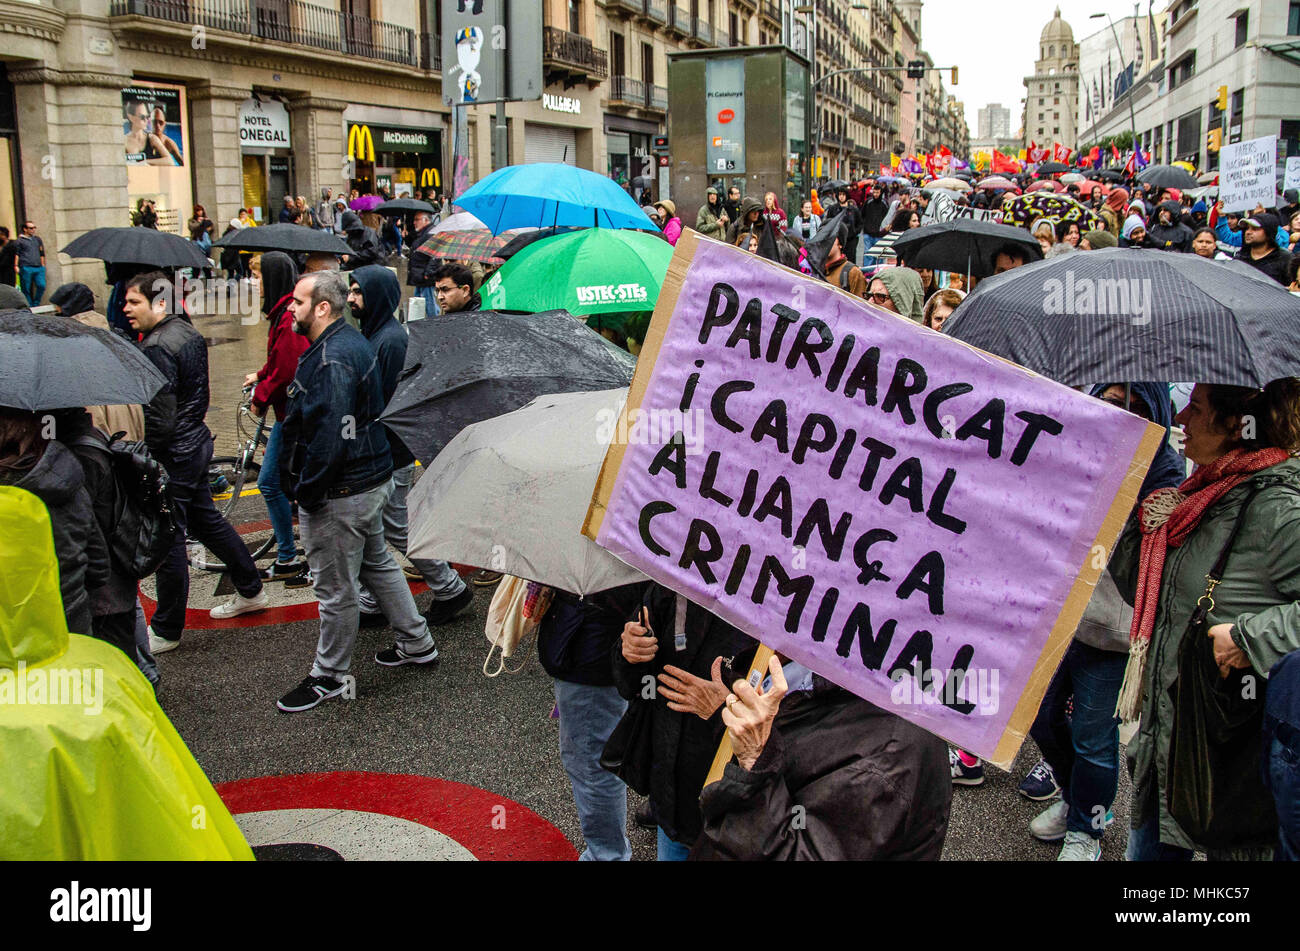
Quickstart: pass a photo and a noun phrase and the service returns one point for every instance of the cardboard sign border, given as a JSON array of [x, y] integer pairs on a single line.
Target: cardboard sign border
[[1067, 621]]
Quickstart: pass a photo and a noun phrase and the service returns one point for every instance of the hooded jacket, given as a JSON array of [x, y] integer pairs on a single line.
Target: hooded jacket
[[871, 786], [904, 286], [420, 266], [104, 778], [382, 294], [362, 240], [672, 224], [739, 224], [1171, 237], [55, 478], [283, 345], [73, 299], [706, 220], [325, 210]]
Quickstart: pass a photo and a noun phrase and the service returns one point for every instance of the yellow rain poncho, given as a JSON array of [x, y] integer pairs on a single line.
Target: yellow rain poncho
[[90, 766]]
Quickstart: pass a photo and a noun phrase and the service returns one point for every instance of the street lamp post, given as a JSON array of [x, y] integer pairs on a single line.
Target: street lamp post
[[811, 8], [1132, 115]]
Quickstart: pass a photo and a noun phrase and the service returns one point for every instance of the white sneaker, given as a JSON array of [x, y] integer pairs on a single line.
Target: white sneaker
[[160, 645], [1049, 825], [1079, 847], [240, 605]]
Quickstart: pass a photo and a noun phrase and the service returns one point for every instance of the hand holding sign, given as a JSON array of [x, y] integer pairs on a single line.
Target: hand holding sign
[[749, 713]]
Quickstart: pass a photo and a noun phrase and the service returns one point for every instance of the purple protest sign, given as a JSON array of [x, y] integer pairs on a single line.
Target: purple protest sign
[[914, 519]]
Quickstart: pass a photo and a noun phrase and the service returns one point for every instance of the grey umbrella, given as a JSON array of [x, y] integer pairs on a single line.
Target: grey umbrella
[[503, 494], [1129, 314], [286, 237], [1167, 176], [403, 206], [52, 362], [466, 367]]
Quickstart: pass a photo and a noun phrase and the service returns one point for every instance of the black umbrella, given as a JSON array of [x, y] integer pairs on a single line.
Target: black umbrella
[[463, 368], [1109, 175], [963, 245], [1128, 314], [1167, 176], [523, 240], [1052, 168], [287, 237], [53, 362], [834, 185], [137, 246], [401, 206]]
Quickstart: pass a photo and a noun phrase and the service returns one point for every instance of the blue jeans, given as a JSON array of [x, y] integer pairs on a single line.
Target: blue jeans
[[670, 851], [1284, 781], [1144, 845], [32, 280], [1084, 750], [144, 659], [588, 716], [430, 299], [277, 505]]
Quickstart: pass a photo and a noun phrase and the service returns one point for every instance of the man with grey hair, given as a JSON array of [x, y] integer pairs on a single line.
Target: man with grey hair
[[336, 463]]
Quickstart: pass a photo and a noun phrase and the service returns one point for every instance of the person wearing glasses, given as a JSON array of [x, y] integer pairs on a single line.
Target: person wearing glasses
[[141, 144], [898, 289]]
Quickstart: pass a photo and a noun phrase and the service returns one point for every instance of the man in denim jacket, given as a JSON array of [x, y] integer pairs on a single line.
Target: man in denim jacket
[[339, 465]]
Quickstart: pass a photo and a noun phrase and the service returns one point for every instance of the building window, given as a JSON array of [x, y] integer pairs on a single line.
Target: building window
[[1182, 71], [1293, 19], [1243, 27], [1289, 142], [575, 16]]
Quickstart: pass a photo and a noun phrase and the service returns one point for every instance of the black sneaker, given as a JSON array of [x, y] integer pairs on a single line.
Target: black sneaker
[[645, 817], [441, 612], [303, 580], [281, 570], [309, 693], [396, 657], [373, 619]]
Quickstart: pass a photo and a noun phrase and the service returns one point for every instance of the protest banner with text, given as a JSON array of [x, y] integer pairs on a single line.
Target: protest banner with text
[[911, 518], [1248, 174]]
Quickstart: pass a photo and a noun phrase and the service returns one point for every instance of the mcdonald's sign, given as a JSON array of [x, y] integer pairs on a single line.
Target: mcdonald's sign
[[361, 144], [430, 178]]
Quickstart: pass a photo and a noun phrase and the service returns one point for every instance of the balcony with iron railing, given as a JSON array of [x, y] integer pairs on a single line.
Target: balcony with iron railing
[[292, 23], [431, 52], [659, 98], [771, 10], [626, 91], [625, 7], [574, 56], [656, 11], [681, 21], [703, 31]]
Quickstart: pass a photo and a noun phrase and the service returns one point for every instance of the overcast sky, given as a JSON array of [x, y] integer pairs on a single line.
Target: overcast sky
[[995, 44]]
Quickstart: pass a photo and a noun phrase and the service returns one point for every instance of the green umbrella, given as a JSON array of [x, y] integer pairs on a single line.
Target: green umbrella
[[592, 271]]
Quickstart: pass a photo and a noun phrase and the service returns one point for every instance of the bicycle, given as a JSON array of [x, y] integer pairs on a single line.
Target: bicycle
[[233, 471]]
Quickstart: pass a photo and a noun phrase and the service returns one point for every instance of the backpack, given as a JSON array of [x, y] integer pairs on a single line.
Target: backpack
[[144, 526]]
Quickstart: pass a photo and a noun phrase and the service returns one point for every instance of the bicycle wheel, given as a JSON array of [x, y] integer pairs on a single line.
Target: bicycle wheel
[[226, 475]]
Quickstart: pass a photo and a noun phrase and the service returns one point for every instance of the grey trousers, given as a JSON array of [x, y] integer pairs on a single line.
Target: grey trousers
[[438, 575], [345, 545]]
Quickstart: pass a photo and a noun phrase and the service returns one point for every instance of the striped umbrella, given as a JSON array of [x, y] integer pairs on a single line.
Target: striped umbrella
[[478, 245], [1119, 315]]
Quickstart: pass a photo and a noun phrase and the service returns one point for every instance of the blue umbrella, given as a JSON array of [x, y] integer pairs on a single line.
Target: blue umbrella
[[546, 194]]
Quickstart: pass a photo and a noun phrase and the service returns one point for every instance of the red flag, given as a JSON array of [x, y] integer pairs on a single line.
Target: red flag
[[1004, 163], [1115, 152], [1061, 153]]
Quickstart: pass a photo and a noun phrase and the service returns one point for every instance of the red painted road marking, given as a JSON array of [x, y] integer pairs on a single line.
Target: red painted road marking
[[491, 826]]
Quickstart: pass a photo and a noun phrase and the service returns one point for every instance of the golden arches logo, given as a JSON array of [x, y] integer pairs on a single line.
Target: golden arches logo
[[361, 144], [430, 178]]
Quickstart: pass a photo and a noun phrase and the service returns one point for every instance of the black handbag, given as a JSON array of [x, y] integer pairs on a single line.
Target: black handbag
[[628, 753], [1213, 790]]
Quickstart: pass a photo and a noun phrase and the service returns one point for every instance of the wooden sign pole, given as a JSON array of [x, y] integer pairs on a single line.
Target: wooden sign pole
[[757, 672]]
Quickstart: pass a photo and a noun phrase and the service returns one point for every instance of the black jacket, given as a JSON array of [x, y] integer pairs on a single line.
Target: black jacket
[[362, 240], [1276, 264], [868, 786], [333, 442], [873, 216], [577, 634], [1171, 237], [174, 429], [420, 266], [683, 744], [382, 294], [117, 594], [56, 479], [9, 263]]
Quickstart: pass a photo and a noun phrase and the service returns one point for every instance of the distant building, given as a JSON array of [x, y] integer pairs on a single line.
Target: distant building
[[994, 121], [1052, 99]]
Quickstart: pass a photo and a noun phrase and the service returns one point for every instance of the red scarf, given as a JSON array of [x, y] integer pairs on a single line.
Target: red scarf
[[1168, 518]]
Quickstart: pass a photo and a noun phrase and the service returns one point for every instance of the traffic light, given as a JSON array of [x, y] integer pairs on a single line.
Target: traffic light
[[1216, 140], [1223, 99], [916, 69], [954, 75]]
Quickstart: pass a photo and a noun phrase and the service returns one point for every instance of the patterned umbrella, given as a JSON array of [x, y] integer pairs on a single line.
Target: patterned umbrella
[[479, 245], [1024, 210]]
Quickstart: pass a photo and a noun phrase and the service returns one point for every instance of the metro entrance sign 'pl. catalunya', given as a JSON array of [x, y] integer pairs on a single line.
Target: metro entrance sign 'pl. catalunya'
[[914, 519]]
